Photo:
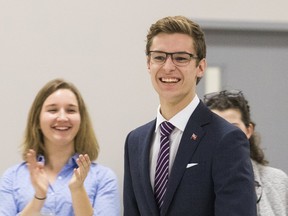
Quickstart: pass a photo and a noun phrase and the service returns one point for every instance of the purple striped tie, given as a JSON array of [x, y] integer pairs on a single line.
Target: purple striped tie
[[162, 167]]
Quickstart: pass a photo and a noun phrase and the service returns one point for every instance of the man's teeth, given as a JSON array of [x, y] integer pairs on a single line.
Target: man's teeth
[[169, 80]]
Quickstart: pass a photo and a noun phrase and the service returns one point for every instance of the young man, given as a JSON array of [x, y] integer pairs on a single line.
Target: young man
[[200, 168]]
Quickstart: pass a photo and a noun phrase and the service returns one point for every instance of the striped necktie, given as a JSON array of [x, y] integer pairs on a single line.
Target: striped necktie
[[162, 167]]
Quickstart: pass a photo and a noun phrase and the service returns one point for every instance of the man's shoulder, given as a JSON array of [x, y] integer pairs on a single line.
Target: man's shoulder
[[217, 123], [141, 133], [145, 127]]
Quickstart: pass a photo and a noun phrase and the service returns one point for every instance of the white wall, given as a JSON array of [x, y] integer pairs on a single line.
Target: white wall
[[99, 46]]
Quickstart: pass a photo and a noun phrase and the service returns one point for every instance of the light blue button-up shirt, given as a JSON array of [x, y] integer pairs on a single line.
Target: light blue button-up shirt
[[16, 191]]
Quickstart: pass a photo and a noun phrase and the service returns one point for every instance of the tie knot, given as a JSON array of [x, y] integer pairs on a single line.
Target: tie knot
[[166, 128]]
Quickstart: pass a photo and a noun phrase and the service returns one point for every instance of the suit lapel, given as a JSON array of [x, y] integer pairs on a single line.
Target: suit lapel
[[191, 138], [145, 141]]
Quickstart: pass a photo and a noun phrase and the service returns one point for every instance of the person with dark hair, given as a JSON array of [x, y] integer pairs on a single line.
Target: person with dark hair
[[58, 175], [271, 184], [187, 161]]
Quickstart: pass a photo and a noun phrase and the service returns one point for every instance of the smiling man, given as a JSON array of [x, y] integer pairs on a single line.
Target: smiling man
[[188, 161]]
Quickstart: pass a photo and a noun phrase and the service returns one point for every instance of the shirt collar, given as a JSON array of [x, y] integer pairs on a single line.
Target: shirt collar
[[180, 119], [71, 161]]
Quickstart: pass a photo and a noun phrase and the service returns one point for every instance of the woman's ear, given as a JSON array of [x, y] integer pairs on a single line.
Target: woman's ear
[[250, 130]]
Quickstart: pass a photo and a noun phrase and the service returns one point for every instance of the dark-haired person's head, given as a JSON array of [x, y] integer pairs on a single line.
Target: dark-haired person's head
[[233, 107]]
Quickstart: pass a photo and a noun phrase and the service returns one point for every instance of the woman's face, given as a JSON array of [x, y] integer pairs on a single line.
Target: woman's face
[[234, 117], [60, 118]]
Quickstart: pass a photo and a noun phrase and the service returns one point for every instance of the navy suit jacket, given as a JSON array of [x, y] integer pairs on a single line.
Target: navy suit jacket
[[211, 176]]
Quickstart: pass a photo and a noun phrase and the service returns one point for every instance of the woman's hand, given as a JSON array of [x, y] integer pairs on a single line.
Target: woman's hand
[[39, 178], [80, 199], [81, 172]]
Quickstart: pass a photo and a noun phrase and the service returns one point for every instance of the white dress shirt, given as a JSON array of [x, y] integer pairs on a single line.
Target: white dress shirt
[[179, 121]]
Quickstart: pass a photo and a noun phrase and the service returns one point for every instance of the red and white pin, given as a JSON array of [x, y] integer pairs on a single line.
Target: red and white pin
[[194, 136]]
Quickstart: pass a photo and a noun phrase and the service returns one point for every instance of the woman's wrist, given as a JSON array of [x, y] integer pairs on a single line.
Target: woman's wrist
[[39, 198]]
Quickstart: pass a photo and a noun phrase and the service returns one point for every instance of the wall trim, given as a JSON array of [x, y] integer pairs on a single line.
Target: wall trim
[[243, 26]]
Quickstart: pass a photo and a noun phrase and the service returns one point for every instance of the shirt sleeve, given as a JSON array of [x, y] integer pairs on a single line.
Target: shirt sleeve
[[7, 204], [107, 201]]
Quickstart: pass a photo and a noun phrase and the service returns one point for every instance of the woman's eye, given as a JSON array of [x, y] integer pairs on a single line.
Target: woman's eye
[[71, 111], [52, 110]]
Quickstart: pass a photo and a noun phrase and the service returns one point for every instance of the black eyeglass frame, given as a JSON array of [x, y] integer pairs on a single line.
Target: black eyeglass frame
[[192, 56]]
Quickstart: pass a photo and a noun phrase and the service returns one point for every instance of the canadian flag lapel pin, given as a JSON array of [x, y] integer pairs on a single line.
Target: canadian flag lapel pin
[[194, 136]]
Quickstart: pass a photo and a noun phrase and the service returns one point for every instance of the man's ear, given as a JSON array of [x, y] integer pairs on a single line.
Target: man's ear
[[148, 62], [202, 65]]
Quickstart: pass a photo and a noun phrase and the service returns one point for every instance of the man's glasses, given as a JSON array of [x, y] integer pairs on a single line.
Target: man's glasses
[[258, 189], [226, 93], [178, 58]]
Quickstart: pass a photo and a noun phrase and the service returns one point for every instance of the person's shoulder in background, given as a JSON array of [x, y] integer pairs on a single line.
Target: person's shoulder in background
[[273, 178]]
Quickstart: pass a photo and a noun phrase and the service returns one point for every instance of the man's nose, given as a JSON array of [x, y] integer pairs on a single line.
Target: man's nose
[[168, 64]]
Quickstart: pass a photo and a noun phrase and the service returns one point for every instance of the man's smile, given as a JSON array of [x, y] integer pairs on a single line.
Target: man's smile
[[169, 80]]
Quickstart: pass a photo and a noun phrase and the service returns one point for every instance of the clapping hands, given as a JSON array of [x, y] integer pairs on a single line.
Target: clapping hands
[[38, 176], [81, 172]]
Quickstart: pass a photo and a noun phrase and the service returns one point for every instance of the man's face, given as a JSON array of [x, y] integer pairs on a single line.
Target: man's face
[[175, 84]]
